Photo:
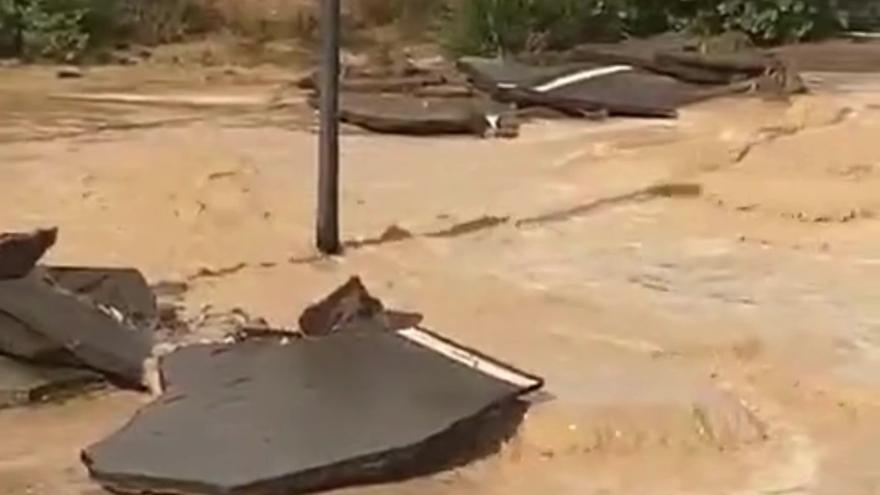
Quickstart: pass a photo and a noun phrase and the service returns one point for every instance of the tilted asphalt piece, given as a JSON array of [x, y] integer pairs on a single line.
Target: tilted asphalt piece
[[93, 337], [124, 289], [348, 304], [633, 92], [581, 88], [19, 252], [264, 418], [636, 81], [19, 340]]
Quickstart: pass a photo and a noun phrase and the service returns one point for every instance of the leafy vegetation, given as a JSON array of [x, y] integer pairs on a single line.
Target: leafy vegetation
[[65, 29], [42, 28], [765, 21], [500, 26], [497, 26]]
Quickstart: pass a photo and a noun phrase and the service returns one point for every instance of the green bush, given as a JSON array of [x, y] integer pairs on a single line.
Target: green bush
[[484, 27], [765, 21], [498, 26], [646, 17], [65, 29], [43, 28], [487, 27], [153, 21]]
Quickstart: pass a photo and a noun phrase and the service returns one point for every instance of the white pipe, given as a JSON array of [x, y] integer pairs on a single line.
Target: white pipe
[[583, 75], [425, 339]]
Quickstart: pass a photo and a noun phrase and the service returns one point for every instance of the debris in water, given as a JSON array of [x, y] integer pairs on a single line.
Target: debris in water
[[349, 305], [23, 383], [66, 325], [94, 337], [20, 252], [124, 289], [69, 73]]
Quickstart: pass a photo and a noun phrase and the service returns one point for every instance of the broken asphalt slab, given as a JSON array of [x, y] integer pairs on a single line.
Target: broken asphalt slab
[[22, 383], [625, 81], [412, 115], [617, 89], [626, 91], [350, 304], [19, 252], [416, 116], [17, 339], [99, 318], [123, 289], [487, 74], [352, 407], [93, 337]]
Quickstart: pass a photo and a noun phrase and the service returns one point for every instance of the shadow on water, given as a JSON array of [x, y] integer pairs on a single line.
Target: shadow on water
[[663, 190], [394, 233]]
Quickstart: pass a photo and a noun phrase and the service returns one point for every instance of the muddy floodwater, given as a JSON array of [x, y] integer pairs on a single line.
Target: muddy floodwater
[[700, 295]]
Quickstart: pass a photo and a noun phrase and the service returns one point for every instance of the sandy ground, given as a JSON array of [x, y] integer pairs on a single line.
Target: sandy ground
[[721, 341]]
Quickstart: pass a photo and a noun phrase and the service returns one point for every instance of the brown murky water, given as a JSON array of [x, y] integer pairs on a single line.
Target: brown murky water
[[719, 341]]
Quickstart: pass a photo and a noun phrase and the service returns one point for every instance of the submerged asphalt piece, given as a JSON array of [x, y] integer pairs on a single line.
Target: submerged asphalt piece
[[124, 289], [404, 114], [22, 383], [93, 337], [264, 418], [19, 252]]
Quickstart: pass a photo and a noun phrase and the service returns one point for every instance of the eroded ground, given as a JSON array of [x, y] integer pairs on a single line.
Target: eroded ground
[[716, 334]]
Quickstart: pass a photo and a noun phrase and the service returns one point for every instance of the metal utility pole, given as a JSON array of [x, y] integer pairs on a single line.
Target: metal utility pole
[[328, 151]]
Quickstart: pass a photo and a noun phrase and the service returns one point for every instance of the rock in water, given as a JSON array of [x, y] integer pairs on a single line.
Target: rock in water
[[350, 304], [69, 73], [19, 252]]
